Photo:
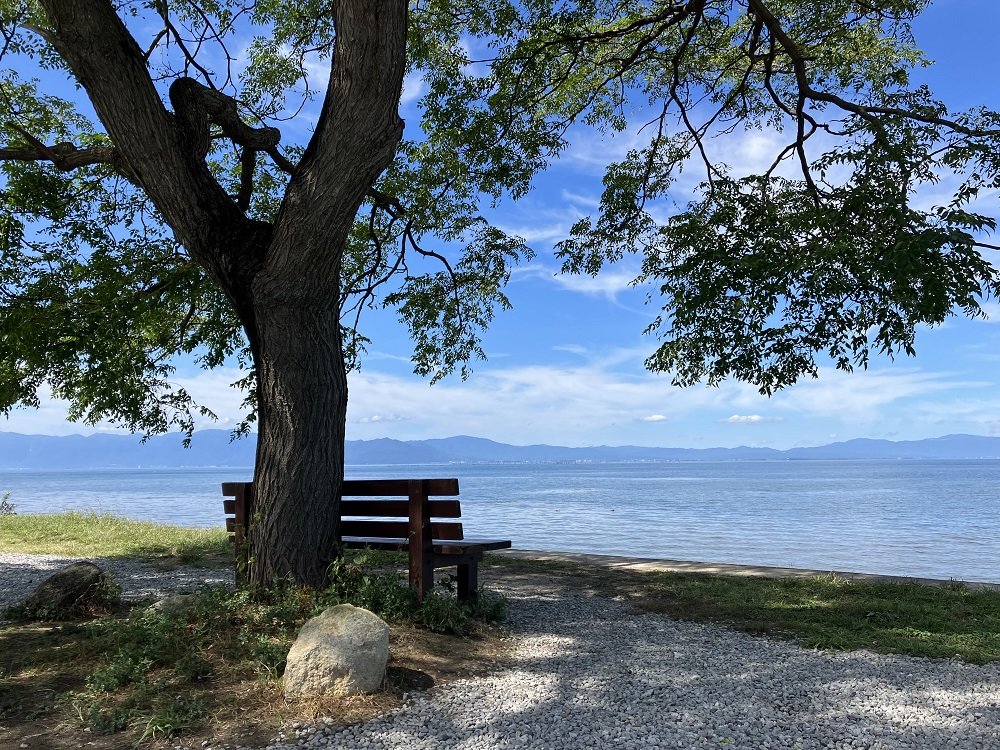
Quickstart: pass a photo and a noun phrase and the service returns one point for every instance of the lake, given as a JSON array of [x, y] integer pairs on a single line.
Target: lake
[[934, 519]]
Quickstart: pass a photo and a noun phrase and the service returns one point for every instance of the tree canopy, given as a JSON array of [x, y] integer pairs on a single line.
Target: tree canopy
[[178, 180], [756, 276]]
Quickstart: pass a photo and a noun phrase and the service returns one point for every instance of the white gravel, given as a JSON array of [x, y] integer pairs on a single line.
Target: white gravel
[[589, 673], [20, 573]]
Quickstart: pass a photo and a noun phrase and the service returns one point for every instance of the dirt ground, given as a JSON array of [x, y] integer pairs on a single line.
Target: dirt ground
[[32, 715], [35, 713]]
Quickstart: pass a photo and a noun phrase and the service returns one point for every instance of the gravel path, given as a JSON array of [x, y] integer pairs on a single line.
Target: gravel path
[[20, 573], [589, 673]]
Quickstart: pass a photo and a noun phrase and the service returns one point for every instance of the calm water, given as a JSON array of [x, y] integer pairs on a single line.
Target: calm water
[[919, 518]]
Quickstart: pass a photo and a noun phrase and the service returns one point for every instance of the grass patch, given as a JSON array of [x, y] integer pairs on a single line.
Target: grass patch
[[835, 613], [213, 666], [827, 612], [75, 534]]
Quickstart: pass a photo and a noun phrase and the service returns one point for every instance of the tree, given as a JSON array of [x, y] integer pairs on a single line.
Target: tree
[[193, 220]]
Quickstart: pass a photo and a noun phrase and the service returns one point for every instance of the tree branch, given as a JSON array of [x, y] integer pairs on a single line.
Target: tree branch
[[65, 156], [355, 140], [248, 163], [197, 105], [868, 113], [112, 68]]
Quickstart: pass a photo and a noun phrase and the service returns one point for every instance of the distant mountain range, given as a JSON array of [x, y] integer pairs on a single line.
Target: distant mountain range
[[213, 448]]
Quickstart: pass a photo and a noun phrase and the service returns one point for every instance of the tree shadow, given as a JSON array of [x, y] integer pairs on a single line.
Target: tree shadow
[[590, 671]]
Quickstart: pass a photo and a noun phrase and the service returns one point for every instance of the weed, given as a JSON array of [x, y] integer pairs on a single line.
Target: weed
[[489, 607], [6, 506], [193, 667], [101, 715], [180, 714], [122, 670], [441, 613]]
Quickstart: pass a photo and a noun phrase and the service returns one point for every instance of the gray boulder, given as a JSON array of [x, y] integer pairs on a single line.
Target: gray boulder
[[342, 651], [174, 605], [75, 589]]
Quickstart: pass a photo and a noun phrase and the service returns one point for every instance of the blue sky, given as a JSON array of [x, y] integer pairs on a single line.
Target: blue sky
[[565, 365]]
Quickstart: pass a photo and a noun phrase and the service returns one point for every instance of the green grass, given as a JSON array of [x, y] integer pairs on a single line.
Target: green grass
[[96, 535], [838, 614], [828, 612]]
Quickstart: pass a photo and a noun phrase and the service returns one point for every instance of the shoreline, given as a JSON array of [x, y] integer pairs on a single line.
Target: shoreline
[[651, 564]]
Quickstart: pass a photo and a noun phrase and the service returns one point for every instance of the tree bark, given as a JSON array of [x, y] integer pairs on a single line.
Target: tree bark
[[302, 408], [295, 322]]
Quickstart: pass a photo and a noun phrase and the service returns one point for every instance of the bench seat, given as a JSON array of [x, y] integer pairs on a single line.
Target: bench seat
[[439, 546]]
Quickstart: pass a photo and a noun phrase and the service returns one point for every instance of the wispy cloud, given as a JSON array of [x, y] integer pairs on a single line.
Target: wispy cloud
[[381, 418], [860, 396], [414, 87], [600, 397], [609, 283], [586, 201]]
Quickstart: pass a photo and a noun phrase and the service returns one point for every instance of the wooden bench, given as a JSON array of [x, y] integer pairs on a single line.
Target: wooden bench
[[431, 543]]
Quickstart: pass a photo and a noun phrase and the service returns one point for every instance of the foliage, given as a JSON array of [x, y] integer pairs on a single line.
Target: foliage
[[371, 580], [7, 508], [757, 276]]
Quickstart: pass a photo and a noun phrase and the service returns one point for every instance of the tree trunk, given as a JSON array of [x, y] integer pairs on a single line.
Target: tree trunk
[[302, 410]]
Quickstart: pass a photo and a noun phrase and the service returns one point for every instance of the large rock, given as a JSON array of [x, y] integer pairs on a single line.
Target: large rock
[[73, 590], [342, 651]]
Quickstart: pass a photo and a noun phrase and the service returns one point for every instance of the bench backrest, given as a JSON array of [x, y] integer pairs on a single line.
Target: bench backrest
[[363, 518]]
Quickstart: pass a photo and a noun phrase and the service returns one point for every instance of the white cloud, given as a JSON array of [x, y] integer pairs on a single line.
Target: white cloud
[[380, 418], [533, 234], [859, 396], [571, 349], [603, 399], [992, 310], [749, 419], [414, 87], [589, 202], [212, 389], [609, 283]]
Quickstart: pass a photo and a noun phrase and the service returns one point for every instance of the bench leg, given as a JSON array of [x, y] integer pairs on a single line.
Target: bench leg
[[468, 579], [421, 572]]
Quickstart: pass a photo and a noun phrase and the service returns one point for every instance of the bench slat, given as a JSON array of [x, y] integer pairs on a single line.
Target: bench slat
[[399, 508], [373, 487], [397, 487], [230, 524], [229, 507], [394, 529]]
